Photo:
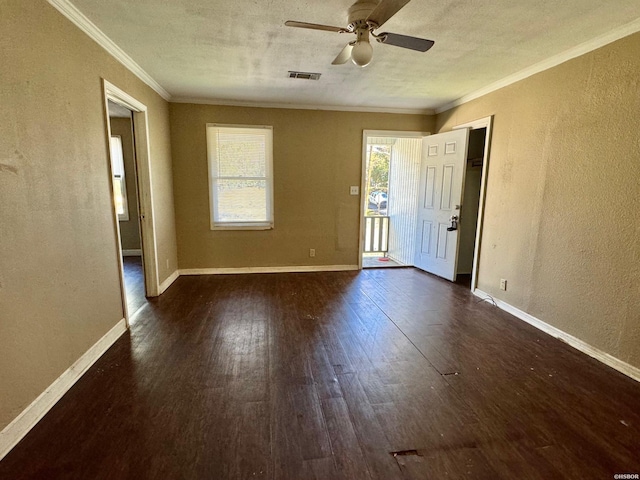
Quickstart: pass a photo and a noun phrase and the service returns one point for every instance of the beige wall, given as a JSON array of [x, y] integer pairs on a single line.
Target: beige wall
[[317, 156], [562, 222], [59, 281], [129, 229]]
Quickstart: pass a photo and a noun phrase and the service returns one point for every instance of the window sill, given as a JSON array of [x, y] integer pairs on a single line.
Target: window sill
[[242, 227]]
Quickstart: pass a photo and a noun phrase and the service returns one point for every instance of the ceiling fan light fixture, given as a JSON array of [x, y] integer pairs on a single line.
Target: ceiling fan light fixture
[[362, 53]]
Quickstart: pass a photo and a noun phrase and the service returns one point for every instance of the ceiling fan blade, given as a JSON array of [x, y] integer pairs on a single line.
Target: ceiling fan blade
[[385, 10], [344, 56], [405, 41], [315, 26]]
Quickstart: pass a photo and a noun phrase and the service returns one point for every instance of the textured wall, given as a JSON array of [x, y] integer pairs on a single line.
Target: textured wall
[[317, 156], [562, 222], [129, 229], [59, 280]]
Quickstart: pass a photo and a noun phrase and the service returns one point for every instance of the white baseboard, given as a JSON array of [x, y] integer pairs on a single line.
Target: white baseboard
[[137, 252], [168, 282], [286, 269], [30, 416], [226, 271], [607, 359]]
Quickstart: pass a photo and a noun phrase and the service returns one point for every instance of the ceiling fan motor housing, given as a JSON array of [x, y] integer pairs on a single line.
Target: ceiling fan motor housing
[[358, 13]]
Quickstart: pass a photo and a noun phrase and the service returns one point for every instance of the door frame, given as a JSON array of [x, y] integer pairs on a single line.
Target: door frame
[[486, 122], [363, 173], [145, 191]]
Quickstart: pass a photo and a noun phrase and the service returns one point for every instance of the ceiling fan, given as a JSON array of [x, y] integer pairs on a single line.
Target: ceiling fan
[[366, 16]]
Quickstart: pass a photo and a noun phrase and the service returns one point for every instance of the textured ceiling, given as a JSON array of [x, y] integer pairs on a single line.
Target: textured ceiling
[[241, 51]]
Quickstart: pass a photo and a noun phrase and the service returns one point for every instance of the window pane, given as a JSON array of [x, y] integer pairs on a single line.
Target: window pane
[[117, 160], [241, 201], [117, 193], [241, 154]]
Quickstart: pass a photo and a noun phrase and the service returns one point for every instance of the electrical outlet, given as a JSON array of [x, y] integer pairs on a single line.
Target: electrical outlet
[[167, 263], [503, 284], [312, 252], [354, 190]]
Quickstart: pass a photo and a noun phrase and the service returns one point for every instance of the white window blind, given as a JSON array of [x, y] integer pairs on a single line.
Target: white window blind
[[240, 176], [119, 185]]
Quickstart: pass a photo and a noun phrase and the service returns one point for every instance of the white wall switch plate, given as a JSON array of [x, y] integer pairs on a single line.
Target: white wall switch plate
[[354, 190]]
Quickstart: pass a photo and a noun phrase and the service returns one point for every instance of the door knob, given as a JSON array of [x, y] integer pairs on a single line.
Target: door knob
[[454, 223]]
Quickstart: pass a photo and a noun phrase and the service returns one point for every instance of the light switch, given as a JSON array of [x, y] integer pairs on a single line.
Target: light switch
[[354, 190]]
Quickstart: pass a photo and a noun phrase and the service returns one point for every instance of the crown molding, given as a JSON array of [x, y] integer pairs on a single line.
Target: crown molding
[[296, 106], [586, 47], [66, 8]]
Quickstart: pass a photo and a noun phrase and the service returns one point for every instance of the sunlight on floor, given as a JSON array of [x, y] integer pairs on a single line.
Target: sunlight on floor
[[379, 262]]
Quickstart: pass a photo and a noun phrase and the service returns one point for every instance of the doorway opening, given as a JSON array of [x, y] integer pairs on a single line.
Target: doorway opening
[[423, 200], [126, 200], [470, 205], [390, 167], [143, 214], [474, 196], [449, 232]]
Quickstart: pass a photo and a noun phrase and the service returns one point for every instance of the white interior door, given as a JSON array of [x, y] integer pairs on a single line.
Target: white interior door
[[442, 170]]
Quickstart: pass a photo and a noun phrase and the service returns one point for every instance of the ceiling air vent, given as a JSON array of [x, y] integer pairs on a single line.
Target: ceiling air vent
[[304, 75]]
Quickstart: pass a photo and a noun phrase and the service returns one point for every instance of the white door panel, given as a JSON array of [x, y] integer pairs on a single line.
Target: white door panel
[[441, 184]]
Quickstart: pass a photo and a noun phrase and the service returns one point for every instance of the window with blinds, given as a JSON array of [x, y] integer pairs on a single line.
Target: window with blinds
[[240, 176]]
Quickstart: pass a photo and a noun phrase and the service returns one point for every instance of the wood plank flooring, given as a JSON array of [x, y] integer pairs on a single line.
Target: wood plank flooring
[[382, 374], [134, 283]]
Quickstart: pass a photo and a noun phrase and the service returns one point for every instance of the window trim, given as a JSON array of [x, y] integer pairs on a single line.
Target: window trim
[[122, 217], [262, 225]]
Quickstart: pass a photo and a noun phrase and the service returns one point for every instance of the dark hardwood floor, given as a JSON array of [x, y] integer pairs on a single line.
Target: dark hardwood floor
[[134, 283], [464, 279], [383, 374]]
